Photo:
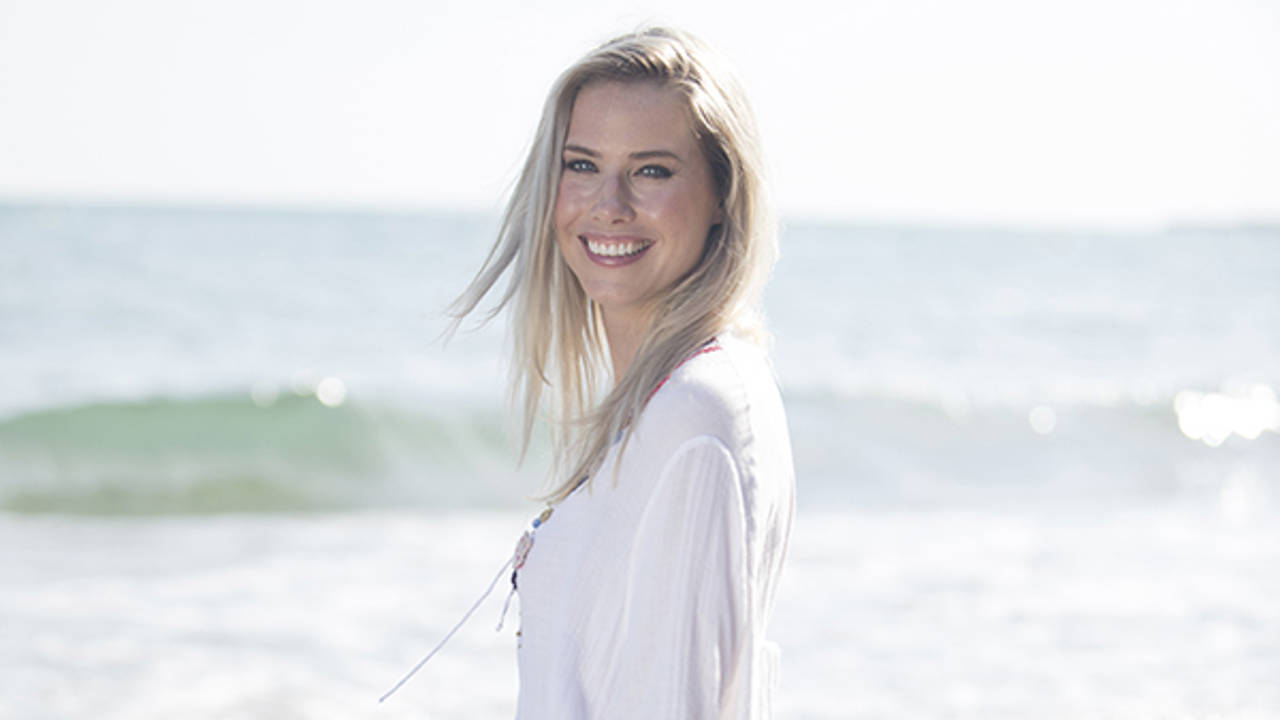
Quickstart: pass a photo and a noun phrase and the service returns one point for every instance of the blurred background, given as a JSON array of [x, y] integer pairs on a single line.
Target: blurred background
[[1027, 326]]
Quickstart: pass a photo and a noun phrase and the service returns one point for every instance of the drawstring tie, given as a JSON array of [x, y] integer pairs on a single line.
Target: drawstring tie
[[514, 563], [455, 629]]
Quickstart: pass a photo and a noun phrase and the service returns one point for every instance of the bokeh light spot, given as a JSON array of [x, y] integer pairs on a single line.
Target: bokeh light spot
[[264, 394], [1042, 419], [331, 392]]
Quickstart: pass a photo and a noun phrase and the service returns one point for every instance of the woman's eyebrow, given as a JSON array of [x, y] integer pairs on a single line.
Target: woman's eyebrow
[[650, 154], [640, 155]]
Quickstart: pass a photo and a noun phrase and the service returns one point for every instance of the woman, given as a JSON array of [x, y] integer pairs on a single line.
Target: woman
[[637, 240]]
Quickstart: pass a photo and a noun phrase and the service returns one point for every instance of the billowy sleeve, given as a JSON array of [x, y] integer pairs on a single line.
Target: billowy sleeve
[[686, 645]]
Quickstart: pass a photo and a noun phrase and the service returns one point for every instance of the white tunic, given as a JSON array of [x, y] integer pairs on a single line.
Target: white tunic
[[649, 597]]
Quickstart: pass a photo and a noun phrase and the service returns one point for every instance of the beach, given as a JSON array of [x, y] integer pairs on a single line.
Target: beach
[[240, 477]]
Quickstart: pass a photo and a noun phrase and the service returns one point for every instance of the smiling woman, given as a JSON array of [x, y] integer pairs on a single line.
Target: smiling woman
[[638, 238]]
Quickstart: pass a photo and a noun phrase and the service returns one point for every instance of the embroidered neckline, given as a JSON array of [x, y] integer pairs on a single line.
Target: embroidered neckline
[[709, 346]]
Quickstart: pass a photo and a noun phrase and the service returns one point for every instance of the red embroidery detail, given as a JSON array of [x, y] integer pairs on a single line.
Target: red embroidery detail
[[709, 347]]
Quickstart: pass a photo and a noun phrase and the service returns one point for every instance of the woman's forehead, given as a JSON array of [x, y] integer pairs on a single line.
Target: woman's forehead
[[630, 116]]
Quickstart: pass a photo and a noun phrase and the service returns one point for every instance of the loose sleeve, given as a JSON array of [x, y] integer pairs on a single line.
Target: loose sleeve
[[685, 646]]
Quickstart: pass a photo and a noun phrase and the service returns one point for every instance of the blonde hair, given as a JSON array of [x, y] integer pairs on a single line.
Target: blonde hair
[[557, 336]]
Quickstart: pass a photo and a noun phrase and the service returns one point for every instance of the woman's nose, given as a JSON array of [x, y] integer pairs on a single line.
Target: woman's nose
[[613, 201]]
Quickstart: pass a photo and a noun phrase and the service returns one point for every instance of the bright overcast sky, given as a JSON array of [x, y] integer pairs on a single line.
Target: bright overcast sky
[[1079, 112]]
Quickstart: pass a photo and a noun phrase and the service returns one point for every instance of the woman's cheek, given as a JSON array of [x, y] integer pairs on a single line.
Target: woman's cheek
[[570, 193], [566, 200]]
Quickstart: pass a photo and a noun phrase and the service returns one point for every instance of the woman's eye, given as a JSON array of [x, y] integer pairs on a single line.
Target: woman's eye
[[579, 165], [654, 171]]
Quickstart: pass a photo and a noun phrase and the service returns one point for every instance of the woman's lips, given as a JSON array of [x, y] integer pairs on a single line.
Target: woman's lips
[[614, 251]]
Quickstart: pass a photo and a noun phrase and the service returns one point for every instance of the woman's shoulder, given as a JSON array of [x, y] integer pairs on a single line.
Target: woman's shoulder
[[719, 392], [720, 415]]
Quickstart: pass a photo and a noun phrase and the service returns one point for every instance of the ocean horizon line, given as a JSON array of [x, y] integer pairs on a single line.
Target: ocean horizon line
[[807, 220]]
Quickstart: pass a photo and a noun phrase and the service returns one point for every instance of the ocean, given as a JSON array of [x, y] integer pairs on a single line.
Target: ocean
[[243, 476]]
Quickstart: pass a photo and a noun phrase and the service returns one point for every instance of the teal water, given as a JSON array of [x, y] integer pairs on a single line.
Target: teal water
[[169, 360], [227, 453]]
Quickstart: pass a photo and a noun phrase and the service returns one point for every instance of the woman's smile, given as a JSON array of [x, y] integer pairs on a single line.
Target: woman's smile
[[614, 251]]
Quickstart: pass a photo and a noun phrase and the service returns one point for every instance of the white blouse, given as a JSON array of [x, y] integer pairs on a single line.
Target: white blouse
[[649, 597]]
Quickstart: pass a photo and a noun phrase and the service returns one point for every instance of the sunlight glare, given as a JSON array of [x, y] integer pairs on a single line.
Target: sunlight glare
[[1246, 410]]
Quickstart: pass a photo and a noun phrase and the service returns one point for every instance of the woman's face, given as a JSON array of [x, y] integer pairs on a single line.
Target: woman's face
[[636, 199]]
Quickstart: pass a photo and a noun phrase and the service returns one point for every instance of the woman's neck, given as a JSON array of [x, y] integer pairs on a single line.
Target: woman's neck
[[625, 331]]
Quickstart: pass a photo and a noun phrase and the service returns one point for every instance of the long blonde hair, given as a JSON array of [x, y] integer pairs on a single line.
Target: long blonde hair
[[557, 335]]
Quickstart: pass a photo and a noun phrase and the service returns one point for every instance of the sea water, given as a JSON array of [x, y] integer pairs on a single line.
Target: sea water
[[240, 477]]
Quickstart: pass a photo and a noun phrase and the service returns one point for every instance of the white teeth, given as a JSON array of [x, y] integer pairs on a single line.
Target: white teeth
[[616, 249]]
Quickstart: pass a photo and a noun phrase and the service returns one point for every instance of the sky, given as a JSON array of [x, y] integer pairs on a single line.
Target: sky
[[1088, 113]]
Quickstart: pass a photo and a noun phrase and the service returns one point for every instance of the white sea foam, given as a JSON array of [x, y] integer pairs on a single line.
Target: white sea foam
[[1157, 612]]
